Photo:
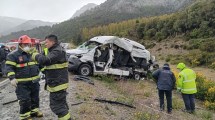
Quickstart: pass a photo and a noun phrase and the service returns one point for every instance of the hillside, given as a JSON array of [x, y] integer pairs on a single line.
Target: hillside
[[84, 9], [196, 21], [108, 12], [195, 25]]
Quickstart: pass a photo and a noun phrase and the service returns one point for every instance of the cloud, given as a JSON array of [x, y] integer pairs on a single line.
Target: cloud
[[46, 10]]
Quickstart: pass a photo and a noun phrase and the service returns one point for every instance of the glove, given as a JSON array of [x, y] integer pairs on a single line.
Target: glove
[[33, 56], [42, 76], [14, 82]]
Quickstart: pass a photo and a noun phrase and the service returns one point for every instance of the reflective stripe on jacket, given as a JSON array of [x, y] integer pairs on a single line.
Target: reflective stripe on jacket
[[187, 81], [56, 65], [19, 65]]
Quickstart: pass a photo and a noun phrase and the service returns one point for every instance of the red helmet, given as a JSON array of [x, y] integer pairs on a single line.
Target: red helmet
[[24, 39]]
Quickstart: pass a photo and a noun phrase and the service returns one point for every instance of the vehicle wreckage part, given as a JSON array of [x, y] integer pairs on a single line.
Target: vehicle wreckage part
[[77, 103], [113, 102], [5, 103], [137, 76], [83, 78]]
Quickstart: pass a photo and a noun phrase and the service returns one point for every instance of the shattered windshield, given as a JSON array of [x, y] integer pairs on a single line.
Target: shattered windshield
[[88, 45]]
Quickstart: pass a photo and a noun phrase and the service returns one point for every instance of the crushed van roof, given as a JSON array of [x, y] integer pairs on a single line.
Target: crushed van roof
[[136, 49]]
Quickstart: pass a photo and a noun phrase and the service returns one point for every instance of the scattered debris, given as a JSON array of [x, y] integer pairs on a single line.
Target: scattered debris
[[5, 103], [83, 78], [113, 102], [74, 104]]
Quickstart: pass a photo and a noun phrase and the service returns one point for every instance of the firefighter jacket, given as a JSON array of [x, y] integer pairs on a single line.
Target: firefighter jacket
[[187, 81], [56, 65], [20, 66]]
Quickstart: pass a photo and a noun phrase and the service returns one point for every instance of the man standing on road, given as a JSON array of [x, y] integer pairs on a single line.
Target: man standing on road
[[24, 75], [56, 73], [165, 83], [186, 84]]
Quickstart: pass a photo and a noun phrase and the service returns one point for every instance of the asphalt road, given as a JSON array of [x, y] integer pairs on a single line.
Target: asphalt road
[[1, 79]]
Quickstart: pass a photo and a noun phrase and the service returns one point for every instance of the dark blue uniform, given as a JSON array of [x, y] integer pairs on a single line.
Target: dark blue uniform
[[56, 73], [20, 66]]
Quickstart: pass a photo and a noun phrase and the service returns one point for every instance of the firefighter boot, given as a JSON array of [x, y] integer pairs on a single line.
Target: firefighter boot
[[29, 118], [37, 114]]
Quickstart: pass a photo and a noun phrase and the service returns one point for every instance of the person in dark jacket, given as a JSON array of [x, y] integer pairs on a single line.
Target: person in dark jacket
[[3, 54], [56, 75], [165, 83], [24, 75]]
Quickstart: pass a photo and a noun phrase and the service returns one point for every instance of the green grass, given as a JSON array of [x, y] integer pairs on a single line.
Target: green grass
[[177, 103], [146, 116], [105, 78], [125, 100], [110, 110], [147, 94], [205, 115]]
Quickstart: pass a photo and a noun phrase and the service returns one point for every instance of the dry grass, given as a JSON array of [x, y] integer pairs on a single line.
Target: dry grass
[[145, 96], [141, 94]]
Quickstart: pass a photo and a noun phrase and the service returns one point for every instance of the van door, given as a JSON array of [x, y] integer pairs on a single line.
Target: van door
[[102, 57]]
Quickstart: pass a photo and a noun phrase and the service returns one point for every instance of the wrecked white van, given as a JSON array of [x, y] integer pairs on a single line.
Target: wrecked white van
[[110, 55]]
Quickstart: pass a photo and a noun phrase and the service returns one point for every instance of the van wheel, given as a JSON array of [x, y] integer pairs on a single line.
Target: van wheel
[[137, 76], [85, 70]]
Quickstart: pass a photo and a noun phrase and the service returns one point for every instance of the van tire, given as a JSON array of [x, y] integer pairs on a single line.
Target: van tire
[[85, 70], [136, 76]]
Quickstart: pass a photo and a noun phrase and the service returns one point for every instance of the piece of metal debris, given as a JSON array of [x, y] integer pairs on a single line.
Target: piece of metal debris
[[83, 78], [113, 102], [74, 104], [5, 103]]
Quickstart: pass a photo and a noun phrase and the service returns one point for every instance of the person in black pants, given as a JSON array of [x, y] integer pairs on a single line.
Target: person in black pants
[[165, 83], [56, 73], [23, 73], [189, 101]]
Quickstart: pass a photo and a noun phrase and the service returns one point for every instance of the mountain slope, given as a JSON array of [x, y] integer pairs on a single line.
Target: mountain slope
[[138, 6], [108, 12], [9, 22], [196, 21], [30, 24], [84, 9], [195, 25]]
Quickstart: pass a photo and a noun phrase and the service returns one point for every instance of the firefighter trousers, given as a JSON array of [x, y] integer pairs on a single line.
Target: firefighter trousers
[[28, 96], [59, 105]]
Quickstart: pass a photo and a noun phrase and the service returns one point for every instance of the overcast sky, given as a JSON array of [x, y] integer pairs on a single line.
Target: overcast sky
[[46, 10]]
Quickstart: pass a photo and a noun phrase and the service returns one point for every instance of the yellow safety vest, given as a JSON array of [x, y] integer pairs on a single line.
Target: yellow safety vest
[[187, 81]]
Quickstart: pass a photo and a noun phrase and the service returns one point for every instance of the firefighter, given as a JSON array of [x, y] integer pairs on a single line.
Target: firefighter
[[24, 75], [186, 84], [56, 73]]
